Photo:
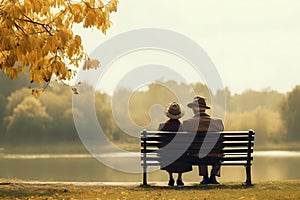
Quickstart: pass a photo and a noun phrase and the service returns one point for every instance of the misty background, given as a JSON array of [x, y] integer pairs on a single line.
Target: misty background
[[45, 125]]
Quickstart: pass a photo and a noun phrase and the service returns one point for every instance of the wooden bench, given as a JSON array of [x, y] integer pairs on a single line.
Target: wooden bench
[[230, 148]]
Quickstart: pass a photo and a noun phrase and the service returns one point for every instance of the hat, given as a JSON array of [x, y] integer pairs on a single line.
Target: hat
[[198, 102], [174, 111]]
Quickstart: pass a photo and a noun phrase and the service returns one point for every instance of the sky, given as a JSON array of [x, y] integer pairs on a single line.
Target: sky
[[254, 44]]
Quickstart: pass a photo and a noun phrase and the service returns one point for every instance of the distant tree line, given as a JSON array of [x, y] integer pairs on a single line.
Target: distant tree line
[[49, 120]]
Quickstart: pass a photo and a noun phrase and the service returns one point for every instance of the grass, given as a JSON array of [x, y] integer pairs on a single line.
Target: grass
[[261, 190]]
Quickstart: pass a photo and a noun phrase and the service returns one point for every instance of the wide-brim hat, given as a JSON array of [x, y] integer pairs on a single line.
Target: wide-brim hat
[[174, 111], [198, 102]]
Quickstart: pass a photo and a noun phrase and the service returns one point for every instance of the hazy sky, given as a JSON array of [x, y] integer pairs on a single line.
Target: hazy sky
[[253, 43]]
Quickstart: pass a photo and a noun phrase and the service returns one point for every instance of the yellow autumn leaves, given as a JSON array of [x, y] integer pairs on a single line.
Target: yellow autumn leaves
[[36, 36]]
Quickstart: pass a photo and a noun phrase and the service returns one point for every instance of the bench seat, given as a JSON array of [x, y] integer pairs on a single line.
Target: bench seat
[[228, 148]]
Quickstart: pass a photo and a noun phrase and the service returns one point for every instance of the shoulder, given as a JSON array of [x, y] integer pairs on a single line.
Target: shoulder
[[218, 123], [161, 126], [174, 122], [188, 123], [170, 125]]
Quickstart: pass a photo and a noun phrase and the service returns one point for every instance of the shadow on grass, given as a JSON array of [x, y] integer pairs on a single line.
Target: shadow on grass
[[199, 187], [22, 192]]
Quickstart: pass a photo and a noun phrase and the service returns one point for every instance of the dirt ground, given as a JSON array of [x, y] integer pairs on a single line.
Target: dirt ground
[[91, 190]]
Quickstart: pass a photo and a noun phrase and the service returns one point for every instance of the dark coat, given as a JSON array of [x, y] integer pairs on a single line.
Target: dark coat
[[202, 122], [177, 166], [170, 125]]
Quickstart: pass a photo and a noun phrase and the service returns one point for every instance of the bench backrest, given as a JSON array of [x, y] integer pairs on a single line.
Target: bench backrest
[[226, 148]]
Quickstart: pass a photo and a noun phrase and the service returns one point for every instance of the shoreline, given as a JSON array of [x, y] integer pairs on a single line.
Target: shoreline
[[79, 148], [256, 153]]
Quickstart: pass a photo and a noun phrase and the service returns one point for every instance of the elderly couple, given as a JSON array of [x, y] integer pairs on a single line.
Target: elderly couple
[[201, 122]]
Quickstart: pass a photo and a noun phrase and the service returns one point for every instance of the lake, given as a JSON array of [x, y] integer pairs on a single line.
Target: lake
[[267, 165]]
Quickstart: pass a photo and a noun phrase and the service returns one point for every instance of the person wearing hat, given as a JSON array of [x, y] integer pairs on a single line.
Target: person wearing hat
[[174, 112], [203, 122]]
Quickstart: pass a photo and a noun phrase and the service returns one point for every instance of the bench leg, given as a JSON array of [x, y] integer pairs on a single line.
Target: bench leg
[[248, 176], [145, 176]]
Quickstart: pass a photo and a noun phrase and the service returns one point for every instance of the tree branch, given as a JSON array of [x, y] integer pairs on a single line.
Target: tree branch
[[44, 26], [20, 28]]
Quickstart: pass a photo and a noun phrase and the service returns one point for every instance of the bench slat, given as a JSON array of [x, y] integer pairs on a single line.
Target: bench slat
[[237, 150], [245, 133], [225, 151], [235, 158], [238, 144], [152, 164], [234, 163], [195, 158], [168, 138], [223, 132], [196, 146], [237, 138], [178, 144], [157, 163], [148, 150]]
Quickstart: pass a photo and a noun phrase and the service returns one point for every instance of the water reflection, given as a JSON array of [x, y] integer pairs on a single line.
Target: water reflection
[[48, 156], [276, 153], [267, 165]]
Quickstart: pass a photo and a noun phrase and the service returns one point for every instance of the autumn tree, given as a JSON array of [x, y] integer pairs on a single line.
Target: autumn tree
[[36, 36], [290, 111]]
